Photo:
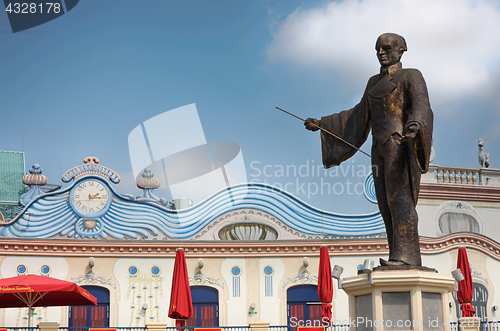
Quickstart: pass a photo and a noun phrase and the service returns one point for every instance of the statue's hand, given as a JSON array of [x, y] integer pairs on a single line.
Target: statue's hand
[[312, 124], [411, 132]]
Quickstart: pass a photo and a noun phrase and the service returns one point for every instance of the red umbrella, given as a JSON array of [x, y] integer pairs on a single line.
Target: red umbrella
[[325, 283], [39, 291], [465, 287], [181, 306]]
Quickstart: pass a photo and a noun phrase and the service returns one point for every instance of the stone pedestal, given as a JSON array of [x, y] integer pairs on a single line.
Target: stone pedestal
[[489, 177], [430, 175], [259, 326], [470, 323], [156, 326], [48, 326], [399, 300]]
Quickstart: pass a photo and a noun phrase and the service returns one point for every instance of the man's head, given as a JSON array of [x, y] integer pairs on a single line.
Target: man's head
[[390, 47]]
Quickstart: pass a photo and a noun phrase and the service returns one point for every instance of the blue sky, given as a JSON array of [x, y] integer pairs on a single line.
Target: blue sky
[[78, 85]]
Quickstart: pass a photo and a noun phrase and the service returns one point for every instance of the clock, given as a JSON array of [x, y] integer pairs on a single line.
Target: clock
[[90, 198]]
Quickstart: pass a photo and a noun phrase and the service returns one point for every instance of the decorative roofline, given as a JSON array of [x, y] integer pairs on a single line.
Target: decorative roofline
[[90, 166], [341, 247]]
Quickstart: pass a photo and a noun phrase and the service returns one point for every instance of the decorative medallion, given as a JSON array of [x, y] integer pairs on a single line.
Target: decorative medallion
[[199, 279], [21, 270], [92, 278], [302, 277], [45, 270], [236, 271], [268, 271]]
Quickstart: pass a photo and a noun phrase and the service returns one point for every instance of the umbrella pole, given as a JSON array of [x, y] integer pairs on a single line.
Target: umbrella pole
[[29, 317]]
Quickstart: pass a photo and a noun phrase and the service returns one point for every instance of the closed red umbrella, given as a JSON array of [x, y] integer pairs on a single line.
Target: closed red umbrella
[[325, 284], [39, 291], [465, 287], [181, 305]]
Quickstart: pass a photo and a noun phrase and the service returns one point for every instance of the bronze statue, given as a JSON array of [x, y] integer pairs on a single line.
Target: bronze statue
[[395, 105]]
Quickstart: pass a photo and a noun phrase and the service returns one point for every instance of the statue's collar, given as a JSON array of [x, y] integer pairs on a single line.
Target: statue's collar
[[391, 70]]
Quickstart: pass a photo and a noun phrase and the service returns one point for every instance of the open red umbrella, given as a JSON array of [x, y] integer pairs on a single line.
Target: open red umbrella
[[39, 291], [181, 305], [465, 287], [325, 284]]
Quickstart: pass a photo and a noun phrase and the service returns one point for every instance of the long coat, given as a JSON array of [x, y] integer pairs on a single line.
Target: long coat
[[393, 100]]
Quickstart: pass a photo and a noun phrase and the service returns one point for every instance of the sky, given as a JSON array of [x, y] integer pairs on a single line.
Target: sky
[[77, 86]]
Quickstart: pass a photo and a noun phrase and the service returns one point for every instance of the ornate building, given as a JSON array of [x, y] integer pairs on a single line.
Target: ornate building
[[252, 250]]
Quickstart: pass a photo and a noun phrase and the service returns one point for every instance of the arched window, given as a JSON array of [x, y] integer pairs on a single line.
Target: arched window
[[452, 222], [303, 305], [458, 216], [205, 306], [91, 316]]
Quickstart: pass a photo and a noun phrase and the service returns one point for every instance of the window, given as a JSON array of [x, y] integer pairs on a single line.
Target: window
[[303, 305], [91, 316], [452, 222], [458, 216], [205, 306]]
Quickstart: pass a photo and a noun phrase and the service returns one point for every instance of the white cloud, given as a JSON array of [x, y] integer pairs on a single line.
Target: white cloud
[[453, 42]]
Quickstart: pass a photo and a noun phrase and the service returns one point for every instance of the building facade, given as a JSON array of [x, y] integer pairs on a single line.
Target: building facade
[[252, 250]]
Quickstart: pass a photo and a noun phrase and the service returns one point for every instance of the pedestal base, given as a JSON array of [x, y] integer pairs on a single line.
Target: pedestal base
[[399, 300]]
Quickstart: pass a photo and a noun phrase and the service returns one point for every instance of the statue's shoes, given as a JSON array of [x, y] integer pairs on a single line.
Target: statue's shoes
[[391, 263]]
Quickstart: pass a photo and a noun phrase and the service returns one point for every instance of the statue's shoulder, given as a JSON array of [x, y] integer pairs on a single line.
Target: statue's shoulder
[[412, 72], [372, 81]]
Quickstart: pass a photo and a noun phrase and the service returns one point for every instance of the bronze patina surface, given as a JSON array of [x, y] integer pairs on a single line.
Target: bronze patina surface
[[395, 106]]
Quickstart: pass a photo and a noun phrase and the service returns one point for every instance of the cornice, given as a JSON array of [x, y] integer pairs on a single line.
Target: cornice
[[459, 192], [225, 249]]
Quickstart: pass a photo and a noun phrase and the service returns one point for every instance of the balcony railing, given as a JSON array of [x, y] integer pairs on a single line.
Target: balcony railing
[[463, 176], [80, 328], [454, 326], [337, 327], [490, 326], [224, 328]]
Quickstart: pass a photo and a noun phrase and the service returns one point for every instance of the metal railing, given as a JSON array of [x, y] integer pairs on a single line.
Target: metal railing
[[490, 326], [224, 328], [118, 328], [455, 326], [335, 327]]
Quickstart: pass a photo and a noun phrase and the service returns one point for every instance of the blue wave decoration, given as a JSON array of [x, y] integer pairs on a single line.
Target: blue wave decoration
[[369, 189], [51, 214]]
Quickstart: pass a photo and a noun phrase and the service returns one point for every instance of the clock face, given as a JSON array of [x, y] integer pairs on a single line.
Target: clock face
[[90, 198]]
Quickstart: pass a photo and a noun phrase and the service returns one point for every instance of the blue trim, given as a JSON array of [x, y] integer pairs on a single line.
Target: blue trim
[[204, 294], [101, 293], [303, 293], [51, 214]]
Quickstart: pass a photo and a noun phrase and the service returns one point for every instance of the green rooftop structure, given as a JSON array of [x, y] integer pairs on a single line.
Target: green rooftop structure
[[12, 170]]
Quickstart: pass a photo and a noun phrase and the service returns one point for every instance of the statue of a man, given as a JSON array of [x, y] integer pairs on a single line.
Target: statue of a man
[[395, 105]]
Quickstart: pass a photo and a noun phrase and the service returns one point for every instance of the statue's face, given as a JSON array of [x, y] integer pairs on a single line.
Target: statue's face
[[388, 50]]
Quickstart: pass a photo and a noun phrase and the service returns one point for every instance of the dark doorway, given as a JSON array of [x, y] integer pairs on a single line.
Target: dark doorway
[[205, 306], [304, 307], [91, 316]]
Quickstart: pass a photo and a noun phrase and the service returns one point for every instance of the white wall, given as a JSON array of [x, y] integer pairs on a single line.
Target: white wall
[[237, 312], [145, 290], [270, 307]]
